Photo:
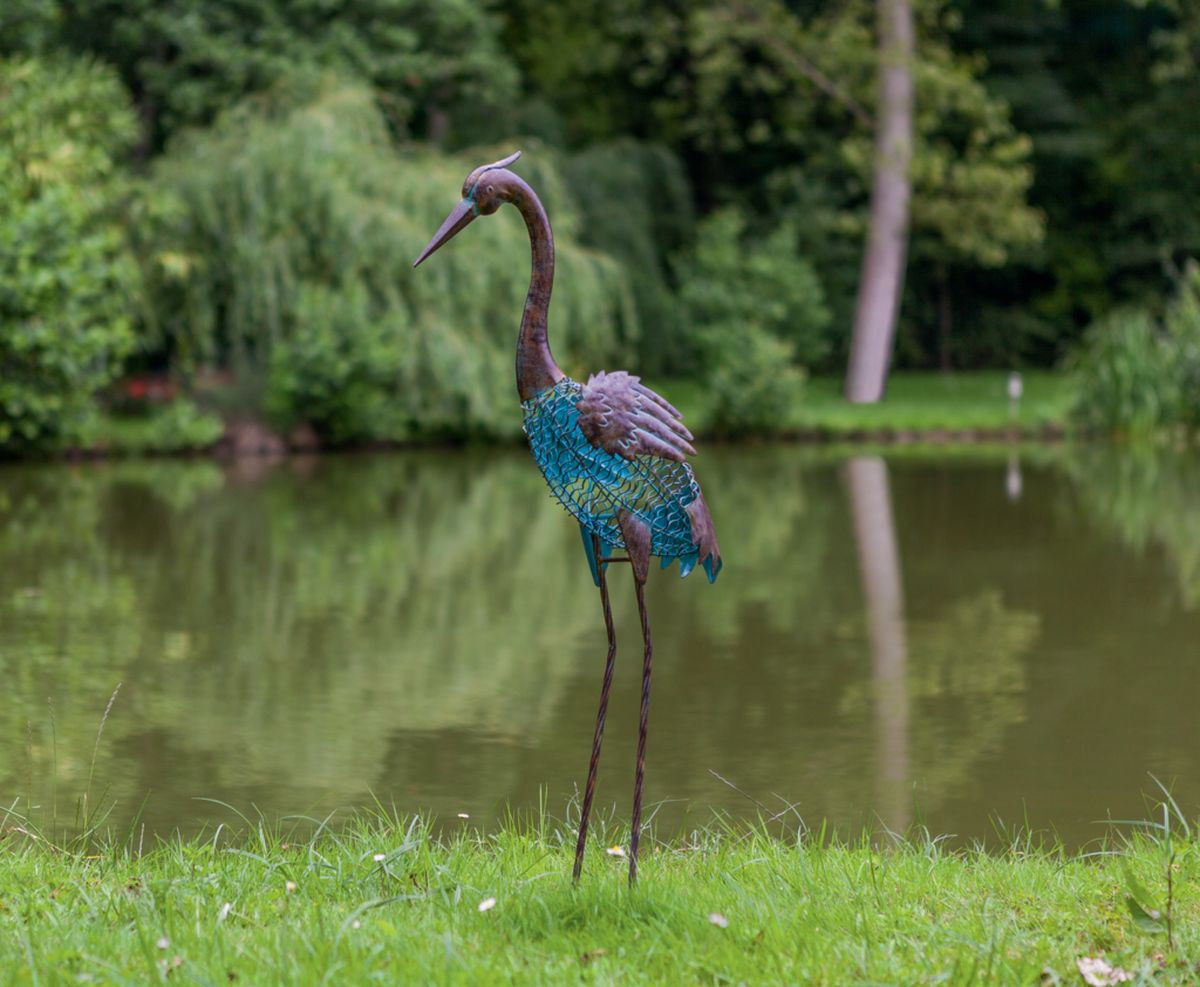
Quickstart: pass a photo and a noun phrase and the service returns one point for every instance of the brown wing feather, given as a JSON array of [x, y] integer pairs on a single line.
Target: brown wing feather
[[619, 414]]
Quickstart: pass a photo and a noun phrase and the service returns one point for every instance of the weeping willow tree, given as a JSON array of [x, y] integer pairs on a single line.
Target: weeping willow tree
[[637, 207], [282, 250]]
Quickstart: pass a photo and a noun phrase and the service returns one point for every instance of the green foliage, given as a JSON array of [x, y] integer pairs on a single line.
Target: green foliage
[[1138, 374], [339, 366], [733, 279], [971, 174], [429, 59], [771, 108], [283, 248], [1124, 372], [635, 205], [179, 426], [30, 26], [1027, 225], [1182, 323], [1114, 152], [752, 380], [755, 308], [65, 274], [971, 169]]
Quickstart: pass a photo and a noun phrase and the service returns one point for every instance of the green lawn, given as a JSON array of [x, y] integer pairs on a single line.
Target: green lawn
[[917, 406], [385, 901], [932, 401]]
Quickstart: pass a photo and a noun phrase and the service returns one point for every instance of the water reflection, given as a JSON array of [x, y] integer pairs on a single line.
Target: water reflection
[[1148, 497], [879, 570], [894, 639], [1013, 482]]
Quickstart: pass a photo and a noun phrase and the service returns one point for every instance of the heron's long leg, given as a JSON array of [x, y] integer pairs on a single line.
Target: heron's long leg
[[594, 764], [643, 722]]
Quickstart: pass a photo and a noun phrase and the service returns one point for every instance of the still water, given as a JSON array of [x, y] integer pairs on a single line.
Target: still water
[[945, 639]]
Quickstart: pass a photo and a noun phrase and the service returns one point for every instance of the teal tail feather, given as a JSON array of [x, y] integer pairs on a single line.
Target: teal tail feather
[[594, 564], [688, 562]]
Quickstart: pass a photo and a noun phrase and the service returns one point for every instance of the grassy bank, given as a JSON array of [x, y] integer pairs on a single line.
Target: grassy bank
[[917, 406], [385, 900], [935, 402], [935, 407]]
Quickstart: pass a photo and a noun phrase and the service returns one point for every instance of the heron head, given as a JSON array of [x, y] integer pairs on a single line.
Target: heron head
[[485, 190]]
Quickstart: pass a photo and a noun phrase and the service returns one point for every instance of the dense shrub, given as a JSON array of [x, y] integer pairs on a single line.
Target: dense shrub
[[1124, 373], [65, 273], [179, 425], [1137, 374], [283, 248], [338, 367], [756, 310], [732, 279], [752, 381], [437, 65]]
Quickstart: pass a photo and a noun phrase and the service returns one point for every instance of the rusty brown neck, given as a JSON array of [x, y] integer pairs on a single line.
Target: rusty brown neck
[[536, 369]]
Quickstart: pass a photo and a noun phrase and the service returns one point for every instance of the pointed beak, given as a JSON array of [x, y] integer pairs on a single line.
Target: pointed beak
[[459, 218]]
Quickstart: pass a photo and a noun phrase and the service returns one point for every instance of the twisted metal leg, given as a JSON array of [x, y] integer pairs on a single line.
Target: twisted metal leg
[[643, 722], [594, 764]]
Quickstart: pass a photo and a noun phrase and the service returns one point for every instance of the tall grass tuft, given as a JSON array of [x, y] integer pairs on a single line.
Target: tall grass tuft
[[1138, 375]]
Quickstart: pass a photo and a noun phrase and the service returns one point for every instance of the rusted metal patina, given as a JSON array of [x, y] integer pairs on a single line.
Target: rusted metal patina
[[613, 453]]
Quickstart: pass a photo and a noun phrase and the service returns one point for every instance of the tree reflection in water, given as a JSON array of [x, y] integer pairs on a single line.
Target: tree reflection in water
[[879, 569]]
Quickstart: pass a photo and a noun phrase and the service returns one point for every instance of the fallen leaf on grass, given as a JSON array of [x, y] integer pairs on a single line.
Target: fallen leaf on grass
[[487, 904], [591, 954], [719, 920], [1098, 972]]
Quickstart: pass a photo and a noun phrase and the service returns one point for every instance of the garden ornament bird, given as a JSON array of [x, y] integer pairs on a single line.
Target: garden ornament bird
[[612, 451]]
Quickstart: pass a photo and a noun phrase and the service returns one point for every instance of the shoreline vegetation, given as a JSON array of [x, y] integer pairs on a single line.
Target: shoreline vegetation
[[387, 896], [920, 408], [212, 219]]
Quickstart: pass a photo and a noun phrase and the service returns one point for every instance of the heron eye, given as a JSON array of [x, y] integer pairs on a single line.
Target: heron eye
[[491, 189]]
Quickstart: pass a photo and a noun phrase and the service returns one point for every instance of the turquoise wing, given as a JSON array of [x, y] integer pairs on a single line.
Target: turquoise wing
[[614, 445]]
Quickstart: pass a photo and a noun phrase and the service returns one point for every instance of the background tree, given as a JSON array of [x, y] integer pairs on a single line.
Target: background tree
[[1053, 170], [278, 244], [882, 276], [187, 60], [66, 277]]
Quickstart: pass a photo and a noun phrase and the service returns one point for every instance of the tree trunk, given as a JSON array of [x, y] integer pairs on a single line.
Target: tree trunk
[[887, 239]]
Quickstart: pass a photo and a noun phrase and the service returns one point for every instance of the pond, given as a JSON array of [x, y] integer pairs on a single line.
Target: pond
[[967, 640]]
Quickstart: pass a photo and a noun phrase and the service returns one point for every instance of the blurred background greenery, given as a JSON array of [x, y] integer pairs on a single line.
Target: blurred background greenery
[[208, 208]]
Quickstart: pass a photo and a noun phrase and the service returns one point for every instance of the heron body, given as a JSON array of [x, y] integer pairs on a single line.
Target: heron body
[[612, 451], [596, 485]]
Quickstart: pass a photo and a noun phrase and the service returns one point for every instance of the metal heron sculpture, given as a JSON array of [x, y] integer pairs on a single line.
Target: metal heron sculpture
[[612, 451]]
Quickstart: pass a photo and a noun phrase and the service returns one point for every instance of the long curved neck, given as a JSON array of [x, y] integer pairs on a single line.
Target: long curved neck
[[536, 369]]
